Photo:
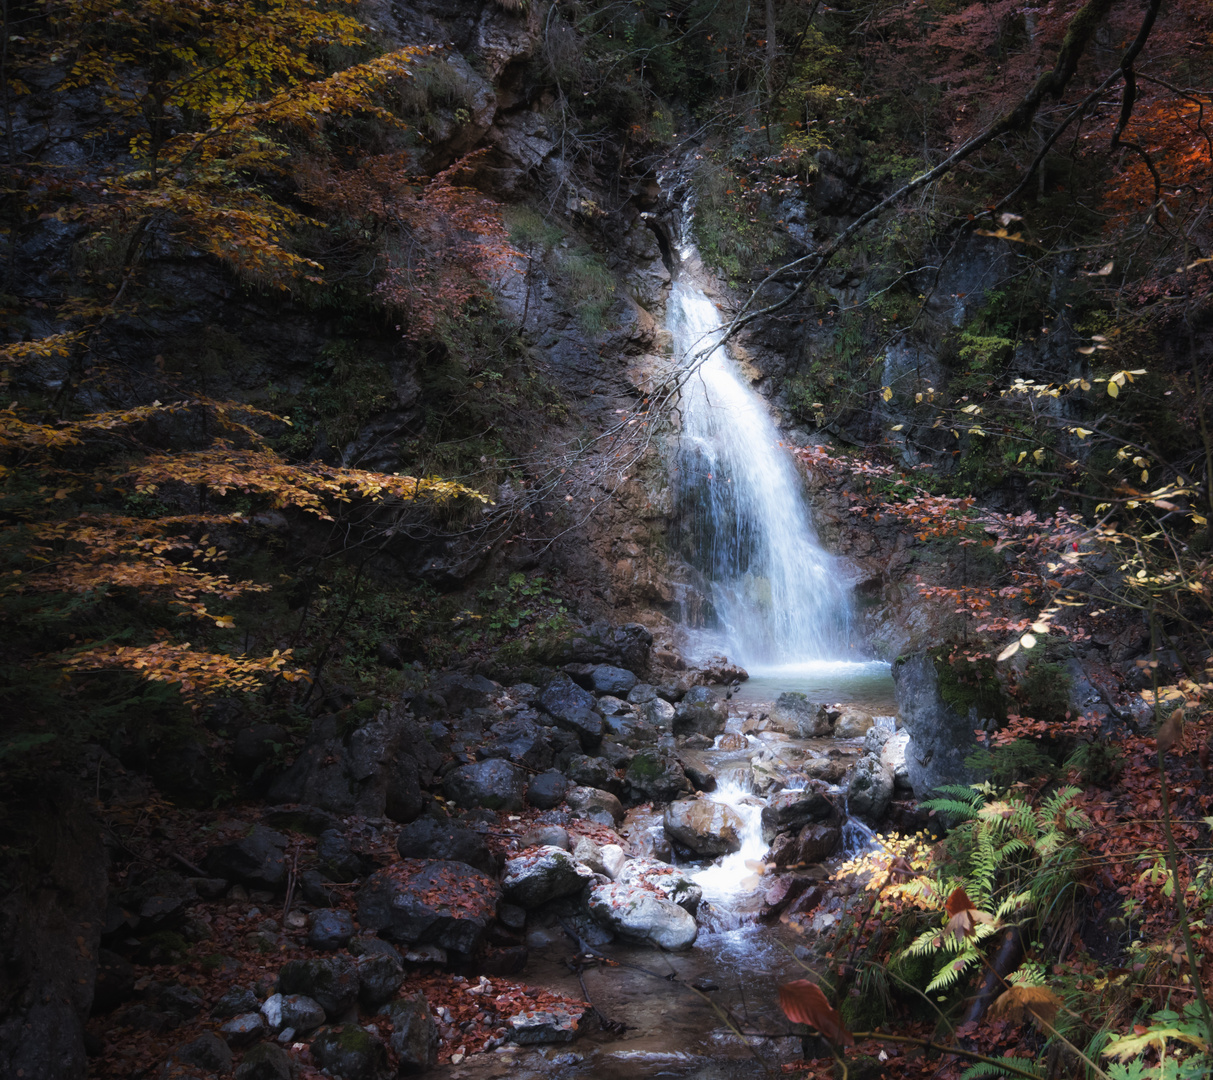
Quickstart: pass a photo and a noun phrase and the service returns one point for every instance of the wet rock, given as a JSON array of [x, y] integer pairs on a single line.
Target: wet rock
[[812, 844], [718, 670], [332, 981], [659, 713], [551, 1024], [295, 1011], [207, 1052], [237, 1000], [546, 836], [852, 723], [373, 946], [243, 1029], [782, 892], [732, 740], [258, 859], [636, 914], [494, 784], [330, 929], [583, 723], [379, 977], [613, 706], [893, 758], [522, 741], [547, 790], [615, 681], [464, 691], [796, 715], [589, 854], [335, 858], [655, 777], [706, 827], [869, 789], [433, 838], [535, 877], [940, 737], [562, 696], [828, 769], [439, 902], [316, 890], [700, 713], [646, 835], [594, 772], [592, 804], [794, 809], [414, 1036], [620, 757], [700, 778], [350, 1052], [641, 693], [613, 860], [875, 738], [668, 880], [265, 1062]]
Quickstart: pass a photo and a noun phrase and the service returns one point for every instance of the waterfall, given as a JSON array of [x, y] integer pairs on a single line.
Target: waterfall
[[777, 598]]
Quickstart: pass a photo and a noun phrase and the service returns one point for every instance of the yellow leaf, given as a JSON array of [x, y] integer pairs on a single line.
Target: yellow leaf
[[1027, 641], [1039, 455], [1132, 1046], [897, 427], [1200, 519], [1113, 389], [1022, 454], [1009, 651], [886, 392]]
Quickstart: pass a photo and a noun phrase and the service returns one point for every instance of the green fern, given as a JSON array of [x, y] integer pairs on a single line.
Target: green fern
[[992, 1068]]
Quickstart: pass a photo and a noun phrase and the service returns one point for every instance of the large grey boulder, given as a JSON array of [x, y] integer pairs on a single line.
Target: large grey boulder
[[661, 877], [494, 784], [893, 757], [615, 681], [706, 827], [940, 737], [258, 859], [592, 804], [543, 874], [414, 1036], [700, 713], [432, 838], [853, 723], [655, 777], [792, 810], [869, 789], [298, 1012], [635, 913], [795, 714], [562, 696], [520, 740], [441, 903]]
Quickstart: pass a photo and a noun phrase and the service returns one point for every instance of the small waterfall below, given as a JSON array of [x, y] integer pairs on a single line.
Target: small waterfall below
[[776, 596]]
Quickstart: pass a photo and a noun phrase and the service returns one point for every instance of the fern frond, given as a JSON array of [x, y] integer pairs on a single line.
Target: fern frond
[[992, 1068], [962, 810], [926, 942], [1013, 904], [951, 972]]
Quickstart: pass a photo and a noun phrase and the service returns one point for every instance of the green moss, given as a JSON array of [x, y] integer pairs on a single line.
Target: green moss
[[973, 687], [646, 765]]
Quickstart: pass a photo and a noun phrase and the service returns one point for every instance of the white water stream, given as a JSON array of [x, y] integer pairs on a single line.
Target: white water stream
[[776, 595]]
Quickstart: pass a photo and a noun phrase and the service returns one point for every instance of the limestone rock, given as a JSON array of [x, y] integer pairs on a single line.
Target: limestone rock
[[668, 880], [258, 859], [296, 1011], [795, 809], [266, 1061], [636, 914], [330, 928], [612, 680], [379, 977], [543, 874], [852, 724], [869, 789], [654, 777], [706, 827], [601, 807], [893, 757], [796, 715]]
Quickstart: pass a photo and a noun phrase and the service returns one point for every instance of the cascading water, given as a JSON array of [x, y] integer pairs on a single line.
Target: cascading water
[[777, 596]]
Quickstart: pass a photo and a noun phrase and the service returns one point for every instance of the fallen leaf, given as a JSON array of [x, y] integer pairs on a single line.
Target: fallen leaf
[[803, 1002], [1020, 1002]]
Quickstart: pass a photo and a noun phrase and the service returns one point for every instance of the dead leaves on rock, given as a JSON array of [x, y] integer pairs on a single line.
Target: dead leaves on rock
[[1023, 1002]]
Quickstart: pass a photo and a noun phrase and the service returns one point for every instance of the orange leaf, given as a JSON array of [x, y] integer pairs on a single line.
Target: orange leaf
[[959, 901], [1171, 732], [804, 1003], [1020, 1002]]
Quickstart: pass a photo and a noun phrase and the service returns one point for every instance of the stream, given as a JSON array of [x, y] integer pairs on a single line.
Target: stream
[[772, 599]]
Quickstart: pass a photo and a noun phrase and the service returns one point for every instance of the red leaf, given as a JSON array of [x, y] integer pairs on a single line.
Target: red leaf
[[959, 901], [804, 1003]]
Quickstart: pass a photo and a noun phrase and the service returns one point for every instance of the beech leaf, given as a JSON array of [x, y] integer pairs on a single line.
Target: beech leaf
[[1020, 1002], [1171, 732], [803, 1002]]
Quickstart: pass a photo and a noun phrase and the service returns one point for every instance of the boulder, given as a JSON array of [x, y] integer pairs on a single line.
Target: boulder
[[794, 809], [615, 681], [494, 784], [591, 804], [557, 1023], [795, 714], [663, 878], [258, 859], [520, 740], [707, 828], [545, 836], [414, 1036], [562, 696], [349, 1052], [542, 874], [635, 913], [869, 789], [208, 1052], [331, 981], [461, 692], [655, 777], [613, 706], [243, 1029], [296, 1011], [852, 723], [594, 772], [330, 929], [379, 977], [265, 1061], [237, 1000], [586, 724], [940, 736], [336, 859], [434, 838], [812, 844], [547, 790], [893, 758], [659, 713], [437, 902], [641, 693]]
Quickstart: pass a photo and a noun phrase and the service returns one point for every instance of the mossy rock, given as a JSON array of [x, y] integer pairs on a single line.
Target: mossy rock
[[350, 1052], [973, 690]]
